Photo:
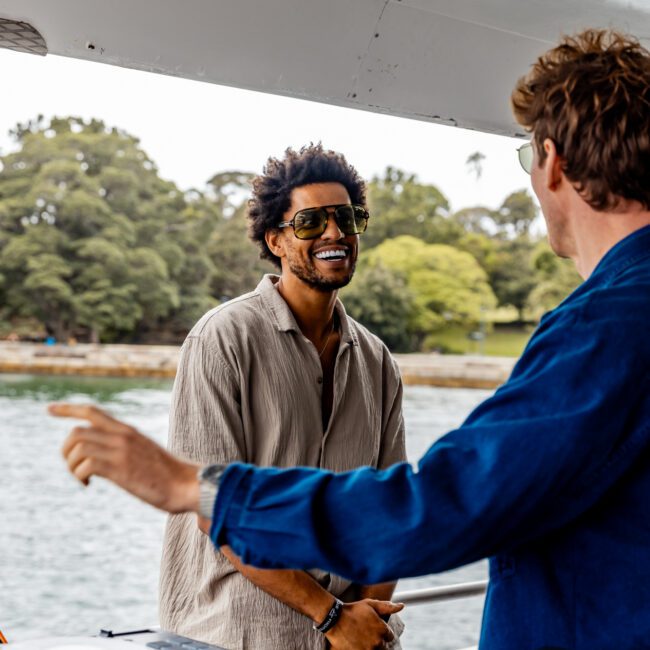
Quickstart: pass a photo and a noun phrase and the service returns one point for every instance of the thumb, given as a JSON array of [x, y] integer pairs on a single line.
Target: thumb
[[383, 607]]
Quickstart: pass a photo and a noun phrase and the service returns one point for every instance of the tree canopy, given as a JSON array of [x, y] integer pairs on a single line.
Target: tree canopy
[[93, 240], [445, 286], [95, 244]]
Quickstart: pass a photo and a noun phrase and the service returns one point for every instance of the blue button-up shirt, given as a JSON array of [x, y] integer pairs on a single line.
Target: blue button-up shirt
[[549, 478]]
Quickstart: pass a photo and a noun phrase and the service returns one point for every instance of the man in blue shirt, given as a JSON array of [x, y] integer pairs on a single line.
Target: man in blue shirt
[[550, 477]]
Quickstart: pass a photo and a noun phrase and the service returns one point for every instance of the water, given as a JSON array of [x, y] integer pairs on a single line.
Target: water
[[74, 560]]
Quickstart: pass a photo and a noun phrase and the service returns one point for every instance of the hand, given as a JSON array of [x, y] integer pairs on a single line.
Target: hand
[[119, 453], [360, 626]]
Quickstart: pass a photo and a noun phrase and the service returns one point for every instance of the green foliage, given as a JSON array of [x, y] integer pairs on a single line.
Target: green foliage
[[448, 286], [477, 220], [400, 205], [500, 342], [516, 214], [511, 273], [555, 279], [501, 242], [474, 163], [381, 300], [239, 267], [94, 243]]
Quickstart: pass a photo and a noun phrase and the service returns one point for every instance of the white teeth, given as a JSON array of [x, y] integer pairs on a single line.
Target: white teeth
[[329, 255]]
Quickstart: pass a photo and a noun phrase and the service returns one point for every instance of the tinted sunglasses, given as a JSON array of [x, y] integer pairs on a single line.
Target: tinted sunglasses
[[525, 153], [312, 222]]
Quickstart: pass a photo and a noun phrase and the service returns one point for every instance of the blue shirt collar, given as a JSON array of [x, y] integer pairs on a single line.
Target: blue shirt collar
[[630, 250]]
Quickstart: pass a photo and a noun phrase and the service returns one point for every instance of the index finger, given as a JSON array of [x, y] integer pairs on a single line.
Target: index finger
[[96, 416]]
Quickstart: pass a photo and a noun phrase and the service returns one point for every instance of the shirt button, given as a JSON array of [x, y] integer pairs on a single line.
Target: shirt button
[[320, 380]]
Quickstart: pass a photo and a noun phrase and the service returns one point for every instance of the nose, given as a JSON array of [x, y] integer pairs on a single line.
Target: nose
[[332, 230]]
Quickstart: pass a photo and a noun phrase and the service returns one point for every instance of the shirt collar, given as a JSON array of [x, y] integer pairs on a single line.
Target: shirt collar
[[622, 255], [283, 316]]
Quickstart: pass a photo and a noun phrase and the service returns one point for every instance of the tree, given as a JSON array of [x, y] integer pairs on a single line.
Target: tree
[[381, 300], [105, 298], [512, 276], [502, 243], [91, 238], [477, 219], [516, 214], [555, 279], [229, 191], [35, 280], [475, 163], [400, 205], [238, 264], [448, 286]]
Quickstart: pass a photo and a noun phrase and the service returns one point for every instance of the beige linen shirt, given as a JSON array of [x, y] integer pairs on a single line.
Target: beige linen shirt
[[248, 389]]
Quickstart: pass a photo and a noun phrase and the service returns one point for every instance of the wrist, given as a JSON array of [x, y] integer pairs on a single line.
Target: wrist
[[187, 488], [331, 618], [318, 606], [209, 478]]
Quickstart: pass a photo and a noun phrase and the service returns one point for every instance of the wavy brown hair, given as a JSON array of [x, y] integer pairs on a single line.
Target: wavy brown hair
[[591, 96], [272, 189]]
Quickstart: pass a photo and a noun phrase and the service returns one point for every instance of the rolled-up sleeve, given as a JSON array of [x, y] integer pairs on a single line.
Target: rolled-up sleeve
[[205, 418]]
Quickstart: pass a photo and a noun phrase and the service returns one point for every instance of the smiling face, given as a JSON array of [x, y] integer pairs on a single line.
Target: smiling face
[[326, 263]]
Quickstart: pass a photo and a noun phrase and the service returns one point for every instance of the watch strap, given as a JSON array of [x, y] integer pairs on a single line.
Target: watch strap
[[332, 617], [209, 477]]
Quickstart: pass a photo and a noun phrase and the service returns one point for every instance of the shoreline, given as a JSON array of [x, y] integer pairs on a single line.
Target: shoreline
[[160, 361]]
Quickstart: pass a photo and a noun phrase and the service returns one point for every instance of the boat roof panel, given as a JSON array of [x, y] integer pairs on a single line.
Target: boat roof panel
[[436, 60]]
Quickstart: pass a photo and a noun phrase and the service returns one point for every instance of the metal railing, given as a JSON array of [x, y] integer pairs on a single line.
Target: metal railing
[[447, 592]]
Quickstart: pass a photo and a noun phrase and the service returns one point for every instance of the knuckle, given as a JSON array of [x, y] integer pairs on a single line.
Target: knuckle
[[124, 443], [93, 412], [83, 448]]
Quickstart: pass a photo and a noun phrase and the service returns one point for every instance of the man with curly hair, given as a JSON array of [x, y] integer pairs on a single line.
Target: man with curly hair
[[550, 477], [282, 377]]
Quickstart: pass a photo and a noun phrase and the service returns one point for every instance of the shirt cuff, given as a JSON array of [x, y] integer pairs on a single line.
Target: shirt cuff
[[228, 505]]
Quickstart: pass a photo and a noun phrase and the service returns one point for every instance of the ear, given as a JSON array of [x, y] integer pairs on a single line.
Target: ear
[[275, 241], [553, 174]]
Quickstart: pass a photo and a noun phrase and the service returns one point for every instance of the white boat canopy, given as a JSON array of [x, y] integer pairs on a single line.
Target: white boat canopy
[[448, 61]]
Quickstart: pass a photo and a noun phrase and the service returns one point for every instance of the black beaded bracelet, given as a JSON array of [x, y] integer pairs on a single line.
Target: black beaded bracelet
[[332, 617]]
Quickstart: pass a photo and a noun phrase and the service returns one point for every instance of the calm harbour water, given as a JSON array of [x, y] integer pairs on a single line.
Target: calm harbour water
[[73, 561]]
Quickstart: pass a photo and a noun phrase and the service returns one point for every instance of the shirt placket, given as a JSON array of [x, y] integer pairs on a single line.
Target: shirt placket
[[339, 382]]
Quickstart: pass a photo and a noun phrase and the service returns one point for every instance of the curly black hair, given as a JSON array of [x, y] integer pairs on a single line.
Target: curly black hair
[[272, 189]]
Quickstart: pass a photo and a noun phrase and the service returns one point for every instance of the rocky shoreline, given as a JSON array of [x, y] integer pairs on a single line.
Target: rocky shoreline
[[161, 361]]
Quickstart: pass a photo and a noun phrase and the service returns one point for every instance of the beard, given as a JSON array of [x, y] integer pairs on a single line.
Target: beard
[[311, 276]]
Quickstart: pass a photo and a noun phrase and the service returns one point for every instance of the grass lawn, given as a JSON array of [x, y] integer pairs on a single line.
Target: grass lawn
[[500, 342]]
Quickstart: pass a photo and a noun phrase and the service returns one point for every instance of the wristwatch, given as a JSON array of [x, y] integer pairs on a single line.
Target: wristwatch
[[209, 477]]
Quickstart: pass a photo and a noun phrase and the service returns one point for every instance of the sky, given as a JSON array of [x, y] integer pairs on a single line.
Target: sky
[[193, 130]]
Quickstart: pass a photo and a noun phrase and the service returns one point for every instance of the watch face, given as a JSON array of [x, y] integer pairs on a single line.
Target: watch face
[[212, 473]]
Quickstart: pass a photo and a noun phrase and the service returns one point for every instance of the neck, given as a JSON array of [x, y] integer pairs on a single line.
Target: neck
[[312, 309], [595, 233]]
